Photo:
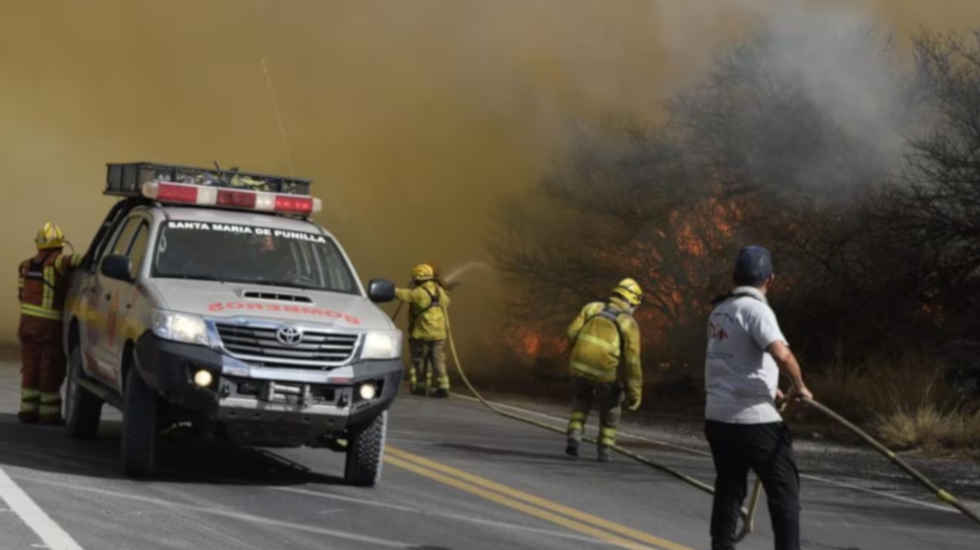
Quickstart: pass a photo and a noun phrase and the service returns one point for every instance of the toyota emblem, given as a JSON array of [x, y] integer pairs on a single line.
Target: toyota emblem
[[289, 336]]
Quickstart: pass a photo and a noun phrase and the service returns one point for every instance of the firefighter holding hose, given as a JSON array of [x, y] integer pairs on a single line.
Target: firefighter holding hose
[[42, 284], [428, 328], [605, 364]]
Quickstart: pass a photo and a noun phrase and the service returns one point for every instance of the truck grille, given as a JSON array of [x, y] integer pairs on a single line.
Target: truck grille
[[259, 346]]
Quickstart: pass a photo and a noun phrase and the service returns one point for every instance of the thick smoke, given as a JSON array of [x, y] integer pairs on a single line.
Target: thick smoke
[[412, 117]]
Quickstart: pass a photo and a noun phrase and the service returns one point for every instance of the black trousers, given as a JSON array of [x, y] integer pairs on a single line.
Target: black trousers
[[766, 449]]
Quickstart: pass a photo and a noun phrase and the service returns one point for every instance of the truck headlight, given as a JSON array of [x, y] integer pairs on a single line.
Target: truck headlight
[[180, 327], [382, 345]]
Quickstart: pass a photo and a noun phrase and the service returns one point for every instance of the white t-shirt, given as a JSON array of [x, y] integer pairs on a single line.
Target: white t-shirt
[[740, 377]]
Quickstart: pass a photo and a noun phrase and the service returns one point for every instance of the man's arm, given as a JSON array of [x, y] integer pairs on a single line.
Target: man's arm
[[788, 364], [68, 262], [632, 364], [20, 282], [410, 295], [577, 324]]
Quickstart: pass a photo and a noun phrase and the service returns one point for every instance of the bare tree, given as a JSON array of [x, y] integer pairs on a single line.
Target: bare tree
[[939, 207]]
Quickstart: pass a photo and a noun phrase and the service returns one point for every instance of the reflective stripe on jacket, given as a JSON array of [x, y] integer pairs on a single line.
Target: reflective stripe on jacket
[[42, 283], [597, 352], [426, 314]]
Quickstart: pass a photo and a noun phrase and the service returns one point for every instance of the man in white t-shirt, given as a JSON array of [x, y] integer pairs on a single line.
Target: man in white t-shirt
[[746, 351]]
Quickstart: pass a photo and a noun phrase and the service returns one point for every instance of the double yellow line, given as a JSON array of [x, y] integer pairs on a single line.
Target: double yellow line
[[541, 508]]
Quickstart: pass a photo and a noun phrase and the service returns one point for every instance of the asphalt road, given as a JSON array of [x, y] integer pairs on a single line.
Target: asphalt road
[[455, 477]]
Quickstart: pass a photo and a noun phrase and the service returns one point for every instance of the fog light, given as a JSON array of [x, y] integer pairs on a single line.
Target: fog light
[[368, 391], [203, 378]]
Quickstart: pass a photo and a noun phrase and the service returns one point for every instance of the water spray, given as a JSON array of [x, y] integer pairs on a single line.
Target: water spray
[[455, 275]]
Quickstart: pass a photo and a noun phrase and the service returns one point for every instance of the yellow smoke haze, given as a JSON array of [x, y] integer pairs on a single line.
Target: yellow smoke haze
[[412, 117]]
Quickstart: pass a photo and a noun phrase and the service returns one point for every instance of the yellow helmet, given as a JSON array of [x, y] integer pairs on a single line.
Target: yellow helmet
[[49, 236], [423, 272], [630, 291]]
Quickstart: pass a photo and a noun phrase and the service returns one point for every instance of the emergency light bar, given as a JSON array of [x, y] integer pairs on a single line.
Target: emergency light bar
[[204, 187], [127, 179], [204, 195]]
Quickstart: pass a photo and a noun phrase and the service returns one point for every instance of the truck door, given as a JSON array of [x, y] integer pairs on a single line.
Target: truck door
[[104, 305], [122, 314]]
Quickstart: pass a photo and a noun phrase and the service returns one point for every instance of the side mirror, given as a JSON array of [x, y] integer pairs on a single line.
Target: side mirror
[[117, 267], [381, 290]]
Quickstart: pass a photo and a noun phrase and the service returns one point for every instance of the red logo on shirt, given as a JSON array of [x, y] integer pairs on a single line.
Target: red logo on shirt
[[717, 332]]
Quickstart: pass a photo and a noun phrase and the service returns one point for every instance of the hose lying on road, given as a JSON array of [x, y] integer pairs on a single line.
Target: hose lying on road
[[747, 515]]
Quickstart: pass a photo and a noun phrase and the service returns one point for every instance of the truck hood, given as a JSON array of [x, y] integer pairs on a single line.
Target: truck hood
[[216, 300]]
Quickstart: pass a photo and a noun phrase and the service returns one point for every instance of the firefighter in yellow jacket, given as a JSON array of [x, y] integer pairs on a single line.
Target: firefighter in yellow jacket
[[605, 363], [428, 328], [42, 284]]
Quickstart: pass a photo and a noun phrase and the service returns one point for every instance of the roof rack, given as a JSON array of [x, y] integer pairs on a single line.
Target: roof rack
[[127, 179]]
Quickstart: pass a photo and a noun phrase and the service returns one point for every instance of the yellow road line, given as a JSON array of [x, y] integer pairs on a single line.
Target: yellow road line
[[517, 505], [538, 501]]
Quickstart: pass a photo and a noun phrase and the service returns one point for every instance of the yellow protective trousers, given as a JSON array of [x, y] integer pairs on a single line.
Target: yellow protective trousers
[[428, 353], [609, 399]]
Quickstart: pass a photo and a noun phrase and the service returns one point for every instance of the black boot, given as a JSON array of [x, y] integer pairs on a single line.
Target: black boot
[[441, 393], [572, 448], [418, 389], [603, 454]]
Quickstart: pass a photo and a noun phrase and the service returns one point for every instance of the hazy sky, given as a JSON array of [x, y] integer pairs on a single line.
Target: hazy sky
[[411, 117]]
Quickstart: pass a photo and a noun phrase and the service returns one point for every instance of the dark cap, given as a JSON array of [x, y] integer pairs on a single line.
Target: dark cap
[[753, 266]]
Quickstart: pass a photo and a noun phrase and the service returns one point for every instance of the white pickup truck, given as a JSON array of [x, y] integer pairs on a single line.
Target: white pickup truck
[[210, 298]]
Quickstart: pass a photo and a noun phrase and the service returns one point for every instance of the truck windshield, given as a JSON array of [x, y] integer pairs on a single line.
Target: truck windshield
[[250, 254]]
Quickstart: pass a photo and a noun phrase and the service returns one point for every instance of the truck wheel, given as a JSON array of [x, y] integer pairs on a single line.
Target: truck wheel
[[365, 448], [139, 430], [82, 408]]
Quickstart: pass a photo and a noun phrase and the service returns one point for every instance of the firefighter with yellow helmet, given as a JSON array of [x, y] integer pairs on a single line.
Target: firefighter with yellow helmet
[[428, 329], [605, 363], [42, 285]]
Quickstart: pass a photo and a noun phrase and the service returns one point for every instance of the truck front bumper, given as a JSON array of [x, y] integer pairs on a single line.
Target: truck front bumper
[[259, 404]]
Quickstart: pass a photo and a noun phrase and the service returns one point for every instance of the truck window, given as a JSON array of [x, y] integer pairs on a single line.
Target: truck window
[[138, 249], [124, 237], [251, 254]]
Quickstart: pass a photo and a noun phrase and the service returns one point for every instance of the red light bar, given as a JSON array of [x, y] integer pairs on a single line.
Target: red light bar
[[207, 195], [176, 192], [297, 205], [236, 199]]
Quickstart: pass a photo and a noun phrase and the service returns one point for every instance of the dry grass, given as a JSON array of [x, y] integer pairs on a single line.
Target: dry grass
[[930, 429], [904, 402]]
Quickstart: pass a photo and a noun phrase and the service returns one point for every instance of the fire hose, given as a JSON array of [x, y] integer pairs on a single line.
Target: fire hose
[[941, 494], [747, 513]]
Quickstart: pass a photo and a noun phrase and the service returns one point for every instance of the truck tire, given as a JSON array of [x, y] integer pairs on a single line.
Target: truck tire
[[139, 430], [82, 409], [365, 450]]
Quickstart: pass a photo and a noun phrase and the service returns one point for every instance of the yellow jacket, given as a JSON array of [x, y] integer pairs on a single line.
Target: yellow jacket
[[427, 320], [596, 347]]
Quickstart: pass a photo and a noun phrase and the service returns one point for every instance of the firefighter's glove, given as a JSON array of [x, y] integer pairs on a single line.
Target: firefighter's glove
[[633, 403]]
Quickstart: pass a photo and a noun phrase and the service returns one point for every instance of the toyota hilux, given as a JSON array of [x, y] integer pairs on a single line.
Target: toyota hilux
[[210, 298]]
